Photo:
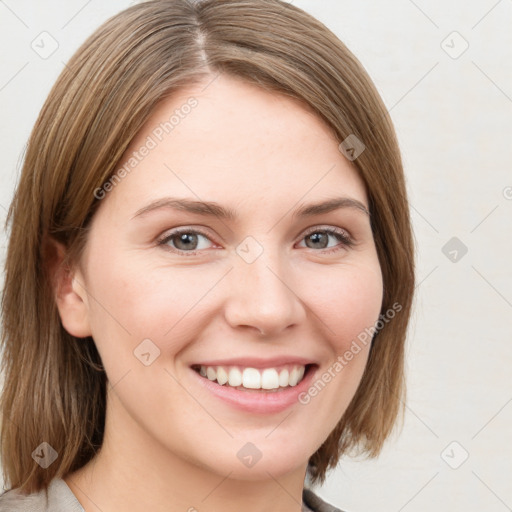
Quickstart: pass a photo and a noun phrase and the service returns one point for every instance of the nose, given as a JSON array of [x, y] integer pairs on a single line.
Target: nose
[[263, 295]]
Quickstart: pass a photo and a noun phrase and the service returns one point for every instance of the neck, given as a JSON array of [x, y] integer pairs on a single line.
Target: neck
[[147, 476]]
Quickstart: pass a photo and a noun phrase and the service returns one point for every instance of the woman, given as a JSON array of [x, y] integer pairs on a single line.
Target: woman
[[210, 268]]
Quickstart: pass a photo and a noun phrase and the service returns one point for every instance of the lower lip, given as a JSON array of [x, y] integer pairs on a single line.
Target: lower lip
[[258, 401]]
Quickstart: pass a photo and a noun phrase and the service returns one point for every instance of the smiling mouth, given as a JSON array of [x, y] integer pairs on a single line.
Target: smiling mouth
[[253, 379]]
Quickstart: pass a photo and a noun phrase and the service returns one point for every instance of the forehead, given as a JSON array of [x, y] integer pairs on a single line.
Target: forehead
[[229, 141]]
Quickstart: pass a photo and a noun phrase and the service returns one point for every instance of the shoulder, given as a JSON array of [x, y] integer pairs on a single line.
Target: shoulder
[[14, 501], [58, 498], [314, 503]]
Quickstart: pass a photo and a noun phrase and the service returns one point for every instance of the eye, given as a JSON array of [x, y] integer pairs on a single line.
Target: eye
[[184, 241], [188, 241], [319, 238]]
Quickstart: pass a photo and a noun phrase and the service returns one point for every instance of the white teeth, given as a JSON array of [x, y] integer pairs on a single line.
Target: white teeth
[[269, 379], [283, 378], [292, 379], [252, 378], [222, 375], [235, 377]]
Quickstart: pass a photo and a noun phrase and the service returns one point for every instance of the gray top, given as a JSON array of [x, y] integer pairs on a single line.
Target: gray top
[[62, 499]]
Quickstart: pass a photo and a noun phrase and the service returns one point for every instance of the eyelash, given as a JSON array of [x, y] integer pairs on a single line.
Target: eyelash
[[340, 234]]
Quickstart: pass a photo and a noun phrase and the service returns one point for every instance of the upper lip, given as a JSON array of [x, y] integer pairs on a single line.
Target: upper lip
[[257, 362]]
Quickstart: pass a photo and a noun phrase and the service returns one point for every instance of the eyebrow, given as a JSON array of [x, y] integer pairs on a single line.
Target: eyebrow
[[212, 209]]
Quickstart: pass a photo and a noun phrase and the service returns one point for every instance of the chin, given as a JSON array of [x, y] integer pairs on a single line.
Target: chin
[[251, 464]]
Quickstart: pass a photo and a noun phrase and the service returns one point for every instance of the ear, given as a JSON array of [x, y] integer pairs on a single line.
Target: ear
[[68, 290]]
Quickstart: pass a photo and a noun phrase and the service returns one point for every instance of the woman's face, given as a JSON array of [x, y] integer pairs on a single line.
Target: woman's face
[[268, 289]]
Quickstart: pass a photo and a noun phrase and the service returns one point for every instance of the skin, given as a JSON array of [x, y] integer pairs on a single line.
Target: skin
[[169, 443]]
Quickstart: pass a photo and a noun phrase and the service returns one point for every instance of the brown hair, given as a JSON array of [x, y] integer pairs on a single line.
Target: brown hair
[[54, 383]]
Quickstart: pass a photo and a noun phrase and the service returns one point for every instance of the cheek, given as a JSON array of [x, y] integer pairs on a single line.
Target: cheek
[[348, 300], [133, 302], [130, 299]]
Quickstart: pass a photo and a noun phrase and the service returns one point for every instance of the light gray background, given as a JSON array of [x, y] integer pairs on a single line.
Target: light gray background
[[453, 115]]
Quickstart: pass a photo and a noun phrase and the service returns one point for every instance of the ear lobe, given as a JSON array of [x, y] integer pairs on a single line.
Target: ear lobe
[[68, 290]]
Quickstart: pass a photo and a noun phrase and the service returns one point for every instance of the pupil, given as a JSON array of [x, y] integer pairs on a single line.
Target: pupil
[[188, 239], [316, 237], [184, 238]]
